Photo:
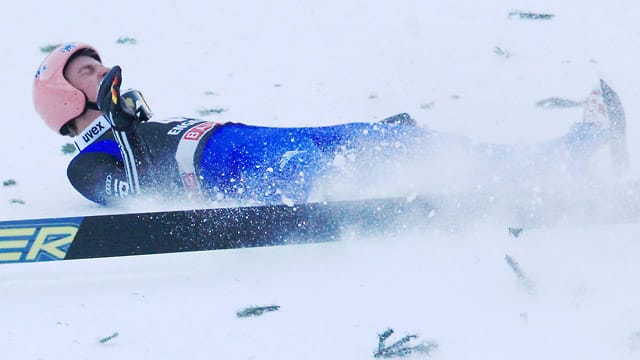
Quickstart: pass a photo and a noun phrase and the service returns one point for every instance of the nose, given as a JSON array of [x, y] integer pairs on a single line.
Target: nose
[[104, 72]]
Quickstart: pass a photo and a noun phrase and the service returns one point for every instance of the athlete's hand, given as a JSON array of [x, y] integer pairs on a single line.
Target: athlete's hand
[[111, 104]]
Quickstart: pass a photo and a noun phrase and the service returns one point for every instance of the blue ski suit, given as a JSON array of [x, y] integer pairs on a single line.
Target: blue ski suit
[[189, 157]]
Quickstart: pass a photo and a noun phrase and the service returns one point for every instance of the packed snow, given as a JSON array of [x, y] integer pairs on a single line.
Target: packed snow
[[467, 287]]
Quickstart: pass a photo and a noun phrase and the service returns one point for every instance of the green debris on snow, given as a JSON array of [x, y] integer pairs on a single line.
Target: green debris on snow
[[502, 52], [48, 48], [68, 149], [401, 347], [9, 182], [520, 274], [528, 15], [513, 264], [108, 338], [256, 310], [126, 40], [427, 105], [206, 112], [515, 232], [558, 103]]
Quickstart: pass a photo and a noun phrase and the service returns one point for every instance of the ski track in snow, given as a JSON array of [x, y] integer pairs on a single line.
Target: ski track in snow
[[567, 291]]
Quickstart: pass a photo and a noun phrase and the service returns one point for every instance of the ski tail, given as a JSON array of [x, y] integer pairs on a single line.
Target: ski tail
[[617, 126]]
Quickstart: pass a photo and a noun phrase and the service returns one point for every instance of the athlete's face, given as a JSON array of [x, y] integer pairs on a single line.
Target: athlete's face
[[85, 73]]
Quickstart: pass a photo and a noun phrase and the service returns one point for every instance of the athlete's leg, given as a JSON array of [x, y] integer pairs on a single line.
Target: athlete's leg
[[361, 135], [602, 123], [268, 165]]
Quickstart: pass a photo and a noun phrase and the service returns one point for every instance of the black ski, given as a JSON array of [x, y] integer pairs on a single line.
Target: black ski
[[195, 230]]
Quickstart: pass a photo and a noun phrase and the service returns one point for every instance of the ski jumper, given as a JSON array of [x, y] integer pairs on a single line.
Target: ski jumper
[[190, 157]]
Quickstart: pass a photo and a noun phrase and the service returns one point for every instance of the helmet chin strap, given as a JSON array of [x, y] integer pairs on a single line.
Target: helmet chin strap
[[67, 129], [92, 105]]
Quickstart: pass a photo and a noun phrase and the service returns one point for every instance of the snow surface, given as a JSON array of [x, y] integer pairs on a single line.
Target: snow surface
[[461, 66]]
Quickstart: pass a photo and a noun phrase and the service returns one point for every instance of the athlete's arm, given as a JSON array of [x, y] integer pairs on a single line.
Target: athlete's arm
[[99, 176], [124, 121]]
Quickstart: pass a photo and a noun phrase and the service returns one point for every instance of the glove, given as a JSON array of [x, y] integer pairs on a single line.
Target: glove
[[111, 104], [134, 100]]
